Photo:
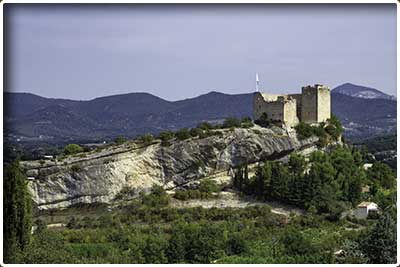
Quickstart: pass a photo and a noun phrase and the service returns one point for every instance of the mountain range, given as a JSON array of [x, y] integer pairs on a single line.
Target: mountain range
[[31, 117]]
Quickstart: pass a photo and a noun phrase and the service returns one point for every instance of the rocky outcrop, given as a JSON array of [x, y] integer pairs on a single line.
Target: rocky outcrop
[[99, 176]]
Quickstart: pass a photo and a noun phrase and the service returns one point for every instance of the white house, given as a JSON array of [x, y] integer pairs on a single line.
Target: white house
[[364, 208]]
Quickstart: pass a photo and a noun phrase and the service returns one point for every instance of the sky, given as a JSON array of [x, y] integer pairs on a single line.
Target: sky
[[180, 51]]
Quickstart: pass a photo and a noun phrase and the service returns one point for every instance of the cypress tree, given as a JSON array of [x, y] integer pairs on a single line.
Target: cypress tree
[[17, 221]]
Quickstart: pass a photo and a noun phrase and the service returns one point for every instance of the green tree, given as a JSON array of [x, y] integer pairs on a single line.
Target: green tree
[[297, 164], [295, 243], [279, 185], [237, 244], [71, 149], [382, 175], [334, 127], [380, 245], [17, 221], [177, 245], [155, 248]]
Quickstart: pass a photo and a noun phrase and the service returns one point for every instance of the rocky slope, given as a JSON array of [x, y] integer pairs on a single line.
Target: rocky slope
[[99, 176]]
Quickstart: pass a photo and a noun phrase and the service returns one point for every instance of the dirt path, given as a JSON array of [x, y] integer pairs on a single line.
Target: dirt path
[[230, 199]]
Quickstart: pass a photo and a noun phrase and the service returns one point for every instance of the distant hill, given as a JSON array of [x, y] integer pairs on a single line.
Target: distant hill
[[361, 92], [364, 117], [33, 118]]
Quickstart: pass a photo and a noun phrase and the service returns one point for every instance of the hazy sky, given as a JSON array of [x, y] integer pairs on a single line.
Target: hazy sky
[[181, 51]]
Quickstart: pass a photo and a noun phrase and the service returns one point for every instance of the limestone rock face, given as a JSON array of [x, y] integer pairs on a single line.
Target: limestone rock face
[[100, 176]]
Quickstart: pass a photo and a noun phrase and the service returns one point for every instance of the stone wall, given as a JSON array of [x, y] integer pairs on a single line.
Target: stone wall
[[273, 108]]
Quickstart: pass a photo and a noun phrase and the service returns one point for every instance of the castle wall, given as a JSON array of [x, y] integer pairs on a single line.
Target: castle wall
[[273, 109], [324, 104], [313, 105], [308, 104]]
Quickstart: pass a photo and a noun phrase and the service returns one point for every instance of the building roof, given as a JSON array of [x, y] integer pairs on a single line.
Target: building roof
[[366, 204]]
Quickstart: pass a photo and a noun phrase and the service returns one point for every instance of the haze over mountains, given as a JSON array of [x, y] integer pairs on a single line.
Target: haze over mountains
[[31, 117]]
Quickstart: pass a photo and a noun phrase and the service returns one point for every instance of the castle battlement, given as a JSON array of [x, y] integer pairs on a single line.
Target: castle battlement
[[313, 105]]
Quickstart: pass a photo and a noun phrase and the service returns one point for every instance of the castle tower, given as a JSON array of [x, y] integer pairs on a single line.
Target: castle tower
[[315, 103]]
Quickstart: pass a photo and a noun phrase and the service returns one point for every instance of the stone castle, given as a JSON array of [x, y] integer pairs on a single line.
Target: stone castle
[[312, 106]]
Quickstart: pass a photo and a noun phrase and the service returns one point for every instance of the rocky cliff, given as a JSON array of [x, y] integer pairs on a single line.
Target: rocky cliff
[[99, 176]]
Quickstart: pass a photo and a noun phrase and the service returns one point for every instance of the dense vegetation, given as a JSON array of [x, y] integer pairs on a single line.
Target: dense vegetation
[[328, 183], [148, 229], [17, 212]]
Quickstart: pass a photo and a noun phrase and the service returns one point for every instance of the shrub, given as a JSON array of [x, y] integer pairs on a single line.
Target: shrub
[[195, 132], [181, 195], [231, 123], [120, 140], [166, 137], [157, 198], [125, 193], [204, 126], [295, 243], [246, 122], [183, 134], [76, 168], [334, 128], [208, 186], [304, 130], [71, 149], [146, 139]]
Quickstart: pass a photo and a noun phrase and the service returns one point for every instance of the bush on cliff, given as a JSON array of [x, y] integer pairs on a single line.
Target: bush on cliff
[[183, 134], [71, 149], [146, 139], [166, 137], [231, 123]]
